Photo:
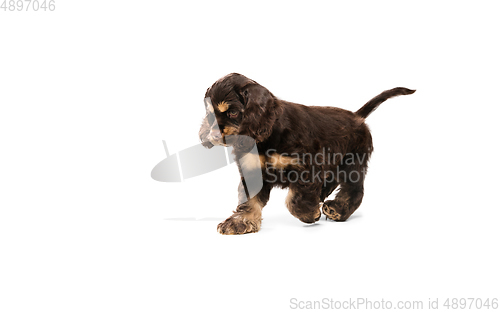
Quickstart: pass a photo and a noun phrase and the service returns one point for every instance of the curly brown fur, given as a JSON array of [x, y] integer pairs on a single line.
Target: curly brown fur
[[323, 147]]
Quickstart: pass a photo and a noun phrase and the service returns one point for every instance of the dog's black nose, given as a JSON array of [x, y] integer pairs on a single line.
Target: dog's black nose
[[216, 135]]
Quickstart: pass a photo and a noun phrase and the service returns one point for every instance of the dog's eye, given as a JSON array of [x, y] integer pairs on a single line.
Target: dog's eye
[[233, 114]]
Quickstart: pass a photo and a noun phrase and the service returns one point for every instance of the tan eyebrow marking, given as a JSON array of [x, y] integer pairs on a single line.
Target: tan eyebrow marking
[[223, 106]]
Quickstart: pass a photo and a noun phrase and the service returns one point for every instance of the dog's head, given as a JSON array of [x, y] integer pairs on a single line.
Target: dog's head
[[237, 105]]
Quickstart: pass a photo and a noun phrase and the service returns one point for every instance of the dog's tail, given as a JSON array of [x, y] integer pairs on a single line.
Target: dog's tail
[[373, 104]]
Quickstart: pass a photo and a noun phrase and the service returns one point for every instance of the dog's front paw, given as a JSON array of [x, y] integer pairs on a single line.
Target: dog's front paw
[[237, 225]]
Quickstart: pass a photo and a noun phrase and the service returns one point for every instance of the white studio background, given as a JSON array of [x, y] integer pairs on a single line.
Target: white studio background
[[89, 91]]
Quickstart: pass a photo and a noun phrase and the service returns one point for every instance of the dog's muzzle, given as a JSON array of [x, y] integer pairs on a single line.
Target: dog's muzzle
[[215, 137]]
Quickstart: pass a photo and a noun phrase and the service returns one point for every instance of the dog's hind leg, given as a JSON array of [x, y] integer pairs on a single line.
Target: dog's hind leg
[[351, 175], [348, 199]]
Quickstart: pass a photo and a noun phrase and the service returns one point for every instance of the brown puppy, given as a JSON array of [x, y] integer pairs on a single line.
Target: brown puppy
[[310, 150]]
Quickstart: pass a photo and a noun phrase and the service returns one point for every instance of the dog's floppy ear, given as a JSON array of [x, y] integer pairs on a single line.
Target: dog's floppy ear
[[260, 112]]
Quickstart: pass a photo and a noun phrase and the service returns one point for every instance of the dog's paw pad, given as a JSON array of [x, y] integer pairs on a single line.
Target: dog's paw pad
[[331, 213]]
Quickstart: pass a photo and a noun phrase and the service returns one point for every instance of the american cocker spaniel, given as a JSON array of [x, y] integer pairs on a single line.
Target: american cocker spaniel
[[310, 150]]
